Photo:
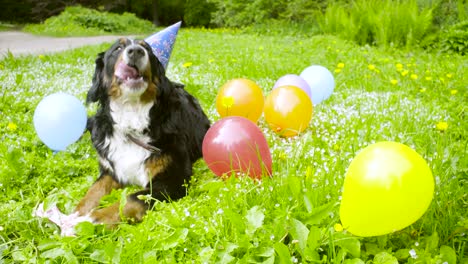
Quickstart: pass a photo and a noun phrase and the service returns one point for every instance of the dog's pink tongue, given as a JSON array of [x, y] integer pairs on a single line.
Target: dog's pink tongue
[[124, 71]]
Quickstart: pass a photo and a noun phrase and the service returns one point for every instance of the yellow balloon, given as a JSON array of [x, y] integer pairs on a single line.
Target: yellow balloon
[[388, 186], [240, 97], [288, 110]]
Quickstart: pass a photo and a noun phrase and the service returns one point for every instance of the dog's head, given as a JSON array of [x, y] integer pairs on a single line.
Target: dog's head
[[127, 70]]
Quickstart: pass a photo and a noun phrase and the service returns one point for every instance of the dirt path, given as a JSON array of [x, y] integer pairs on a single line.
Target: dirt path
[[20, 43]]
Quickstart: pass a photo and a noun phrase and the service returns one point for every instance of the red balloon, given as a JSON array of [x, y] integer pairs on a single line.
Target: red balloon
[[236, 144]]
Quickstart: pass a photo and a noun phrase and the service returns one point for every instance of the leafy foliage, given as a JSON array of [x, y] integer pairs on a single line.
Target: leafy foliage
[[455, 39], [447, 12], [198, 13], [375, 22], [77, 21], [242, 13]]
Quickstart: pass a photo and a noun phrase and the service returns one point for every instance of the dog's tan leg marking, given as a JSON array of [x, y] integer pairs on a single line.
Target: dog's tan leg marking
[[103, 186], [156, 165], [132, 211]]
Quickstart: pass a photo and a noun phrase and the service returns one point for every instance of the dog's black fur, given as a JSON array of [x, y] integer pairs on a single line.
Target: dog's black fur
[[177, 126]]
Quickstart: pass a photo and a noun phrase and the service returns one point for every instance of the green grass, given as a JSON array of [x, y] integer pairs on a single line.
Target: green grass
[[288, 218]]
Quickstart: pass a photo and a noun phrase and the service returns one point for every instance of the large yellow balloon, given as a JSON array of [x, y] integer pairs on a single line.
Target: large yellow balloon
[[240, 97], [388, 186], [288, 110]]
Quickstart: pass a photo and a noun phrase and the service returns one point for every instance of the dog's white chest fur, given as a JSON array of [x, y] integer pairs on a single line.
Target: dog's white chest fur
[[126, 157]]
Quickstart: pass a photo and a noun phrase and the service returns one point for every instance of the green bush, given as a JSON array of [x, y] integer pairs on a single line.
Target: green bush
[[375, 22], [447, 12], [198, 13], [455, 39], [78, 21], [242, 13]]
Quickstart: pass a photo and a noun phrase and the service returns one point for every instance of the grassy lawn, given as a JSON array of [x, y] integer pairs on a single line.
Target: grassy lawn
[[379, 95]]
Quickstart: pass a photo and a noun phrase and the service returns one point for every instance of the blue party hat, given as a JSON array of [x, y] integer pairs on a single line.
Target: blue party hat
[[162, 43]]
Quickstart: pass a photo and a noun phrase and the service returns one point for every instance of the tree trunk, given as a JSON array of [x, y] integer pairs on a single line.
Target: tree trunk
[[155, 13]]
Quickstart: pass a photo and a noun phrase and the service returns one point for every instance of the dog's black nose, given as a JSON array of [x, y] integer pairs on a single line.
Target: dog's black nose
[[135, 52]]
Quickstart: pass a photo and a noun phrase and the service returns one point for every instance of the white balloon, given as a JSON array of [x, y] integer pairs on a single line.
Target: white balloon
[[321, 82], [60, 120]]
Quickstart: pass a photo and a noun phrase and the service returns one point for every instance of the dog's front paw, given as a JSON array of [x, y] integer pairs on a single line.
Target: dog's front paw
[[70, 221], [52, 213]]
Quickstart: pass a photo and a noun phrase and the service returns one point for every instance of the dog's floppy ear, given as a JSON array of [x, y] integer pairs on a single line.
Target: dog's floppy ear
[[178, 85], [159, 75], [97, 90]]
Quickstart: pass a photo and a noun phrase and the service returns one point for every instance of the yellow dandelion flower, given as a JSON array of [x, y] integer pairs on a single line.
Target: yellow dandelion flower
[[371, 67], [394, 82], [442, 126], [340, 65], [336, 147], [399, 66], [233, 60], [428, 78], [309, 172], [414, 76], [337, 70], [453, 92], [404, 73], [228, 101], [211, 60], [422, 90], [338, 227], [12, 126], [449, 75], [282, 155], [187, 64]]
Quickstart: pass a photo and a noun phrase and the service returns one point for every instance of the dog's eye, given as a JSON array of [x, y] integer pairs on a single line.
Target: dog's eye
[[117, 49]]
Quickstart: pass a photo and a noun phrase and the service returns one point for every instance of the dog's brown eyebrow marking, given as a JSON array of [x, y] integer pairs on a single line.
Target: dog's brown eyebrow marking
[[122, 40]]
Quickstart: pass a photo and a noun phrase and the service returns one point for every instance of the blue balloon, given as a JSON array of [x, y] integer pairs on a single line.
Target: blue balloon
[[59, 120], [321, 82]]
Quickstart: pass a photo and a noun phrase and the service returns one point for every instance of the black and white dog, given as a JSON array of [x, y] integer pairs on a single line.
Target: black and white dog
[[148, 131]]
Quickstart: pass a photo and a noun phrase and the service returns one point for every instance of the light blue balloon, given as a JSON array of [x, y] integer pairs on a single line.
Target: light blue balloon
[[321, 82], [59, 120]]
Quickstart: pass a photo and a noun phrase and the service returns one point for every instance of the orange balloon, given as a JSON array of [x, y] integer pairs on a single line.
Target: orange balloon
[[240, 97], [288, 110]]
